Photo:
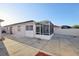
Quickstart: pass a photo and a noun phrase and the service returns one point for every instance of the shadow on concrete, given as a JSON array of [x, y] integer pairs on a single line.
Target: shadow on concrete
[[3, 50]]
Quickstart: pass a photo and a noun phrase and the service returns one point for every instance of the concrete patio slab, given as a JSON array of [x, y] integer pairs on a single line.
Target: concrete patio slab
[[15, 48], [19, 48], [60, 45]]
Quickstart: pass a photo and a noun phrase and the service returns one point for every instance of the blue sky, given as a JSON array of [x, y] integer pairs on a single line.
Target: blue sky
[[59, 14]]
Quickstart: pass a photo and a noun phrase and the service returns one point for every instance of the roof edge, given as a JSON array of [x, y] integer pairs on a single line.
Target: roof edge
[[20, 23]]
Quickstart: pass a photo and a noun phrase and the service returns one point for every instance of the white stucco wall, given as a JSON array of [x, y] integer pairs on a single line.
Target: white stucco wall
[[23, 32], [45, 37], [16, 32], [30, 33]]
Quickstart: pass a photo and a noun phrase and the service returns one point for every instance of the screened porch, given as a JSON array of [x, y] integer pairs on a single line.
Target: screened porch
[[44, 28]]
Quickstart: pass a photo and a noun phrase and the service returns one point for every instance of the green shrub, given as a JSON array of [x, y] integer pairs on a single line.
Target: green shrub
[[76, 26]]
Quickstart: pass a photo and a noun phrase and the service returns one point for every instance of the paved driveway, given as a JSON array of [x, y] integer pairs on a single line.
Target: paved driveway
[[74, 32], [60, 45], [63, 45]]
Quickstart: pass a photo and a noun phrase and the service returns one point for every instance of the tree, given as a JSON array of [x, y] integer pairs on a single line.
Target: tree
[[76, 26]]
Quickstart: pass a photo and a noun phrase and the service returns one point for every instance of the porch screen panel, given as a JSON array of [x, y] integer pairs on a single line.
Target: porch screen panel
[[45, 30], [38, 30], [51, 29]]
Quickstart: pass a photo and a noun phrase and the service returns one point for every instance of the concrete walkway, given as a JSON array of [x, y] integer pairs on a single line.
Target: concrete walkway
[[15, 48], [3, 50]]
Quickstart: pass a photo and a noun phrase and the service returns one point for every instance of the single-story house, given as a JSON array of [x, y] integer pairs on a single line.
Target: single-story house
[[42, 30]]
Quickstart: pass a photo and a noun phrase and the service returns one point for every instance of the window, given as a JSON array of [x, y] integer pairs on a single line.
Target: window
[[38, 30], [11, 32], [29, 27], [7, 28], [19, 28]]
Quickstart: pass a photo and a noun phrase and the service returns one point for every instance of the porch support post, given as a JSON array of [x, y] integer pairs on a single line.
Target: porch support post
[[40, 29]]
